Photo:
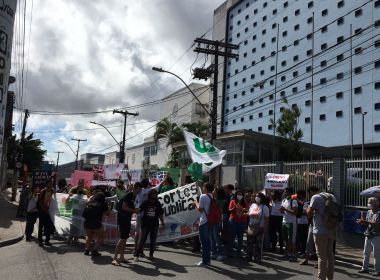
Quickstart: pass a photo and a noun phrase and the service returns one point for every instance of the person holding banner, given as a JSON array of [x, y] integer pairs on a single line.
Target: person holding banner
[[152, 212], [45, 225], [125, 209], [31, 213]]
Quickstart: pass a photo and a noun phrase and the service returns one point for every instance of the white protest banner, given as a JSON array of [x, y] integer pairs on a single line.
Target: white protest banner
[[113, 171], [109, 183], [180, 216], [203, 152], [276, 181], [135, 174]]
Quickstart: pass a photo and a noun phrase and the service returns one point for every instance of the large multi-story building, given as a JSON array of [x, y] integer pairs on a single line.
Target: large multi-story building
[[322, 56]]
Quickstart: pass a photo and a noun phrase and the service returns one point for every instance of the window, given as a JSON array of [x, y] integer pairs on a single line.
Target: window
[[231, 27], [260, 115], [310, 20], [295, 74], [339, 95], [308, 86], [307, 103], [358, 13], [307, 120], [323, 46], [271, 97], [296, 27], [262, 58], [285, 33], [340, 39], [308, 69], [245, 42], [322, 99], [261, 100], [265, 4], [264, 32], [358, 50], [246, 30], [251, 103], [239, 11], [283, 63], [255, 24], [273, 53], [286, 4], [252, 76], [284, 48], [234, 108], [323, 63], [339, 76], [227, 110], [310, 4], [324, 29], [225, 123], [358, 70], [323, 81], [253, 62], [271, 112], [295, 58], [274, 25], [339, 57], [340, 4], [377, 126], [282, 94], [283, 78], [235, 95], [273, 39], [236, 71], [251, 117], [252, 89], [309, 52], [274, 12], [340, 21], [377, 4], [339, 114], [233, 121], [358, 110], [282, 109], [358, 90], [297, 12], [377, 106], [294, 89], [253, 50], [285, 19], [238, 23], [235, 84], [242, 119], [264, 18], [377, 23], [271, 82], [377, 43], [325, 12], [377, 64], [245, 54], [322, 117], [296, 42], [269, 126], [247, 5], [272, 68], [262, 72], [309, 36], [259, 129], [247, 17], [263, 45], [255, 11], [243, 80], [254, 37], [377, 85]]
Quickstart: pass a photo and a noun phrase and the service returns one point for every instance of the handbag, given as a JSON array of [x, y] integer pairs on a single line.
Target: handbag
[[254, 228]]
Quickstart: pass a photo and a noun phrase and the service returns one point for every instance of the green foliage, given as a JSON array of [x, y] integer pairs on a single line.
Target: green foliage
[[169, 131], [200, 129], [173, 159], [30, 148], [287, 127]]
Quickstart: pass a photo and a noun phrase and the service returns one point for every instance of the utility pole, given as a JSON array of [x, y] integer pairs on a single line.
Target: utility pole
[[56, 168], [77, 153], [125, 113], [215, 48]]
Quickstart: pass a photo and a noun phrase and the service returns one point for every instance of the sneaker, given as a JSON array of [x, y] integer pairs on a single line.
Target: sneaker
[[201, 264], [363, 271], [220, 258], [95, 253], [142, 255], [41, 244], [86, 252]]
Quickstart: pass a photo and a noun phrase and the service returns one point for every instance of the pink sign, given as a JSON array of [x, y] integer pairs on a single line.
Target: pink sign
[[80, 174]]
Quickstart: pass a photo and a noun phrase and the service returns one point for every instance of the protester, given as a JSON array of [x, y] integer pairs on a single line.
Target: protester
[[141, 197], [24, 193], [302, 223], [229, 195], [204, 235], [125, 210], [289, 208], [275, 222], [215, 229], [167, 185], [310, 247], [237, 223], [31, 213], [45, 225], [258, 224], [372, 236], [120, 191], [76, 201], [93, 215], [325, 213], [153, 212]]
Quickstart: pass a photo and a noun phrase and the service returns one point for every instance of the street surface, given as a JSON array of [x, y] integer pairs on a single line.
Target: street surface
[[27, 261]]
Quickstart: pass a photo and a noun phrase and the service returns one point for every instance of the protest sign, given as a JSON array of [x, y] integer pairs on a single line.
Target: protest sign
[[156, 177], [180, 216], [40, 177], [276, 181], [135, 173], [87, 176], [98, 172], [113, 171], [109, 183]]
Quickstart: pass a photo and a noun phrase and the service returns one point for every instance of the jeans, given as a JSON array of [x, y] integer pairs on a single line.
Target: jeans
[[369, 245], [255, 245], [235, 230], [145, 231], [310, 246], [31, 218], [216, 244], [325, 252], [275, 227], [204, 237], [302, 233], [45, 226]]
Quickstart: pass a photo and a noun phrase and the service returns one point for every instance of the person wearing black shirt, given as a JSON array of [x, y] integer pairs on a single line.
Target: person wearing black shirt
[[152, 213], [124, 216]]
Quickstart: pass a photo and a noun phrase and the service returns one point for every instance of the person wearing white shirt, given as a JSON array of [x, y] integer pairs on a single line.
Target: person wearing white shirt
[[31, 213], [275, 222], [302, 223]]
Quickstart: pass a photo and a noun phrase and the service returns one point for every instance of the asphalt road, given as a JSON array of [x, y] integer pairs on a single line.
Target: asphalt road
[[27, 261]]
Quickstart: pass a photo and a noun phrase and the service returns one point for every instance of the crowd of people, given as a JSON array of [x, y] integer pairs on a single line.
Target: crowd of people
[[232, 223]]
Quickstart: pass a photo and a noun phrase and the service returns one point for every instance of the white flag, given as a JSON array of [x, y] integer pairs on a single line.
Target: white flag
[[203, 152]]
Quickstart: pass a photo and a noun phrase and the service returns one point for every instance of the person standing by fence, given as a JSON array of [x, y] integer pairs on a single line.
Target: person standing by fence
[[372, 236], [275, 222]]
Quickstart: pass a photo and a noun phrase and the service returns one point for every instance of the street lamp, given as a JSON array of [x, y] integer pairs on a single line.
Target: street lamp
[[178, 77], [68, 145], [363, 162], [117, 142]]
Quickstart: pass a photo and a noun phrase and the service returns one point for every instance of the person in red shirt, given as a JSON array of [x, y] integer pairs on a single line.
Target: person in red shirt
[[237, 223]]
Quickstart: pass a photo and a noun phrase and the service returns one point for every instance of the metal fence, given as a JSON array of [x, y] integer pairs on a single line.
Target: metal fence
[[360, 175], [253, 176]]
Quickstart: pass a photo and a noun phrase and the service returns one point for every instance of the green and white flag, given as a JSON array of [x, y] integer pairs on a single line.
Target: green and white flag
[[203, 152]]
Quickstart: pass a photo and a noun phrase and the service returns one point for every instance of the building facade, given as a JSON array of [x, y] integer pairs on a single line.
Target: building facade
[[112, 158], [322, 56]]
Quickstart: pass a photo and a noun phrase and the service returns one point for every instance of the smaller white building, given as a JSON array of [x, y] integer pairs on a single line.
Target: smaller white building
[[112, 157]]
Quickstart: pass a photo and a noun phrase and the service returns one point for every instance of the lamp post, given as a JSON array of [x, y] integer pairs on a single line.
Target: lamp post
[[68, 145], [363, 140], [117, 142]]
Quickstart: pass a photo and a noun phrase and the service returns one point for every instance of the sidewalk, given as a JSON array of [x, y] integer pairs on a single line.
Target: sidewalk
[[349, 247], [11, 228]]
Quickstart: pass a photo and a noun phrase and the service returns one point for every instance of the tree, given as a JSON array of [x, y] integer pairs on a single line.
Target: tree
[[199, 128], [287, 127], [30, 150], [169, 131]]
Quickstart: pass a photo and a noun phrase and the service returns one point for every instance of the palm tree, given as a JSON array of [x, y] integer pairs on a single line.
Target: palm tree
[[165, 129], [200, 129]]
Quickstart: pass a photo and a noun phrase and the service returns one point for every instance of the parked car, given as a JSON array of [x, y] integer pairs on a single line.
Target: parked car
[[355, 177]]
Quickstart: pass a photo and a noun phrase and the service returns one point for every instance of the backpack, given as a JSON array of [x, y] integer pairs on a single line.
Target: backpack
[[299, 208], [214, 213], [332, 214]]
